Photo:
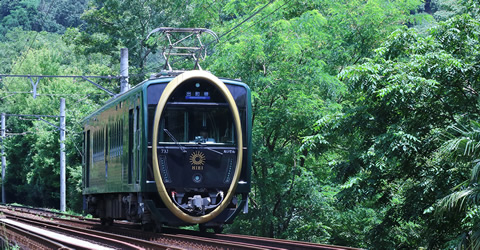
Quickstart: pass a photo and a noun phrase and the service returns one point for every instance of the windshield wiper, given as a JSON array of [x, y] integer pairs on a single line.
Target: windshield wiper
[[213, 150], [204, 145], [175, 140]]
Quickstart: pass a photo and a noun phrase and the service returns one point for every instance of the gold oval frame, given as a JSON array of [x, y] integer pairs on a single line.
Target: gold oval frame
[[162, 191]]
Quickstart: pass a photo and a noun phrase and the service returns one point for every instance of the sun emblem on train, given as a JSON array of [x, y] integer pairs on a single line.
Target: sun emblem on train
[[197, 158]]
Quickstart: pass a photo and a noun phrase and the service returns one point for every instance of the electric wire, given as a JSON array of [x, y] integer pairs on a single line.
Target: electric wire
[[248, 18], [245, 20], [143, 74], [50, 94], [263, 18], [62, 76], [59, 76]]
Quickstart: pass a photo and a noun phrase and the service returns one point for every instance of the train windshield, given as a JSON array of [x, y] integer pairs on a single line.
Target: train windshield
[[197, 124], [196, 112]]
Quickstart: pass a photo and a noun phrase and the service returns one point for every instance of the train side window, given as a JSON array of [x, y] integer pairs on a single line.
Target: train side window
[[102, 144], [95, 146], [117, 138], [117, 144], [121, 137], [87, 159], [114, 140], [110, 129], [106, 151]]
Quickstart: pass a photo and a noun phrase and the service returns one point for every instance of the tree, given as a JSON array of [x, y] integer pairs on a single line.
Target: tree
[[462, 148], [398, 104], [289, 55], [32, 146], [112, 25], [17, 14], [40, 15]]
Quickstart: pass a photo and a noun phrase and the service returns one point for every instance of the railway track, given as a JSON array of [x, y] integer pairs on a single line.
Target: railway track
[[69, 235], [13, 235], [130, 236]]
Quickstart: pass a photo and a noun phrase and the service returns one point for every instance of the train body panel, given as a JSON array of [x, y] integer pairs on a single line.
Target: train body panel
[[113, 165], [196, 152]]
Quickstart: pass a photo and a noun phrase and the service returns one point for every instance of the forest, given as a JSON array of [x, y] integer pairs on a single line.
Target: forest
[[366, 122]]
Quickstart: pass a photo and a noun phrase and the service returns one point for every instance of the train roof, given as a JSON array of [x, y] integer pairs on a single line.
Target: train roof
[[154, 78]]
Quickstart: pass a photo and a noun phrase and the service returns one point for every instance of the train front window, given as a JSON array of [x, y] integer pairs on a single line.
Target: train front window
[[196, 112], [210, 124]]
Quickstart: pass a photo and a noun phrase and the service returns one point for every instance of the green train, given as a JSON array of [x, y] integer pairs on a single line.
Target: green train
[[174, 150]]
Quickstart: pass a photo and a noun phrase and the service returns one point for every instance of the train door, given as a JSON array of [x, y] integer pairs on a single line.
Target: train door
[[137, 142], [131, 123], [88, 158], [134, 145]]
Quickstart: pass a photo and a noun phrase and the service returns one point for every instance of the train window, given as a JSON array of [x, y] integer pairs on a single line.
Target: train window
[[110, 133], [196, 112], [196, 124], [98, 149], [87, 158], [115, 139], [121, 137]]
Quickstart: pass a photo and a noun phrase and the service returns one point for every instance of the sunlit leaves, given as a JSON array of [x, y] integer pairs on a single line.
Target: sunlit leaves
[[401, 100], [32, 145], [463, 140]]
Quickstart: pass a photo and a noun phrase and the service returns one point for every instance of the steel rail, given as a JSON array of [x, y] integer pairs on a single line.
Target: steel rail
[[188, 238], [269, 243], [49, 213], [60, 76], [181, 240], [28, 239], [95, 235], [281, 243]]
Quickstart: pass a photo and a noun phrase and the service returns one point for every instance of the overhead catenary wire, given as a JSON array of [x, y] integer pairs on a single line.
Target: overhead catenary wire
[[119, 77], [48, 94], [34, 118], [79, 97], [86, 78], [60, 76], [263, 18], [246, 19], [242, 22]]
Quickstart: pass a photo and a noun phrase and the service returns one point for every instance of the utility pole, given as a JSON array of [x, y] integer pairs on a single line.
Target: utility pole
[[4, 161], [124, 70], [62, 156]]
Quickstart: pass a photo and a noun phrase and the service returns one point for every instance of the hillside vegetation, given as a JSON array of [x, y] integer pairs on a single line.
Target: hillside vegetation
[[366, 126]]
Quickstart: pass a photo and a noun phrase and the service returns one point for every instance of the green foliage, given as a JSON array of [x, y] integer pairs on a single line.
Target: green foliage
[[284, 75], [289, 58], [112, 25], [40, 15], [445, 9], [32, 150], [463, 145], [17, 14], [380, 158], [398, 105]]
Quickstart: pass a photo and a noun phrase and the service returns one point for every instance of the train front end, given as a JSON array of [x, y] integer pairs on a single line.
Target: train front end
[[200, 140]]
